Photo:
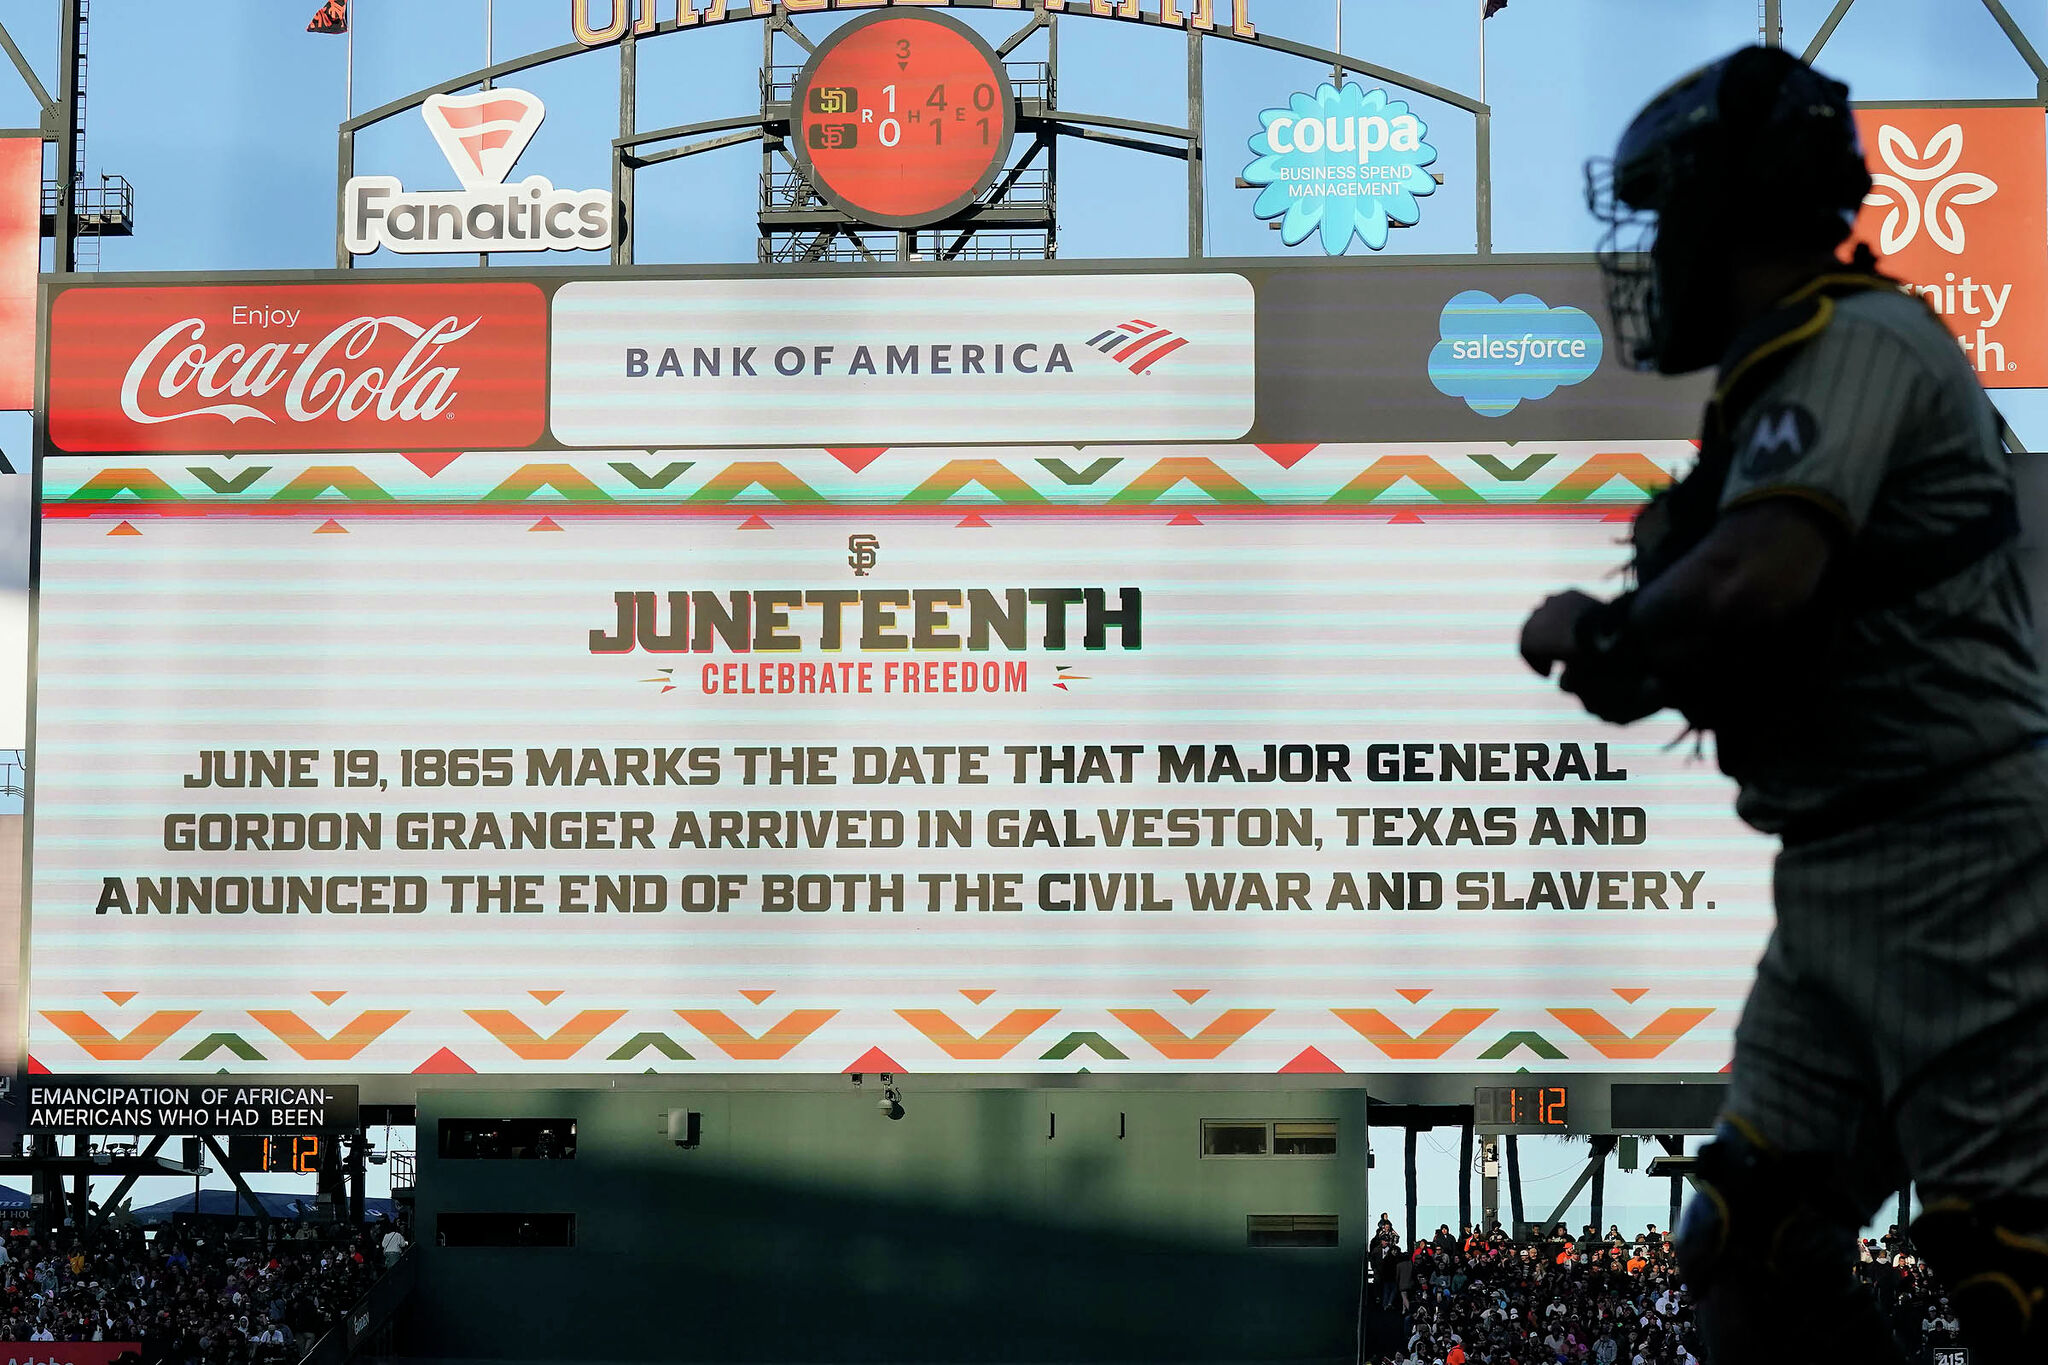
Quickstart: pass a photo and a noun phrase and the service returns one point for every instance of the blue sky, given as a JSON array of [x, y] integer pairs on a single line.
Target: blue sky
[[223, 115]]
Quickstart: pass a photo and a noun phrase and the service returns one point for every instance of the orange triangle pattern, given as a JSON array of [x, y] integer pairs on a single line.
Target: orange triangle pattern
[[856, 458], [756, 523], [1631, 993], [330, 527], [758, 997], [119, 997], [1185, 519], [546, 997], [328, 997], [545, 524], [972, 519], [124, 529], [977, 996], [1287, 456], [1190, 995], [444, 1063], [1310, 1062], [1413, 995], [1405, 519], [874, 1059], [430, 465]]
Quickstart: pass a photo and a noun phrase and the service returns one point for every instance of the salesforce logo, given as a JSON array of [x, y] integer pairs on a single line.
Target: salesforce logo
[[1494, 353]]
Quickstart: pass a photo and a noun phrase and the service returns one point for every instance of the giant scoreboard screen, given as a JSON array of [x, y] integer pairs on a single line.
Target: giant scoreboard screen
[[977, 672]]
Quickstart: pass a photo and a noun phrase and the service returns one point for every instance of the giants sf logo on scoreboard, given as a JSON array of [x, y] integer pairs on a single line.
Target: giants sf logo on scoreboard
[[299, 367]]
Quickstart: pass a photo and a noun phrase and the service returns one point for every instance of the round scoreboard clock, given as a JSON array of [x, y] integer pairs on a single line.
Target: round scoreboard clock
[[903, 119]]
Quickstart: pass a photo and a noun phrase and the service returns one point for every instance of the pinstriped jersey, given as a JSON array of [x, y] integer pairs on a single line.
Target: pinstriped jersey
[[1881, 424]]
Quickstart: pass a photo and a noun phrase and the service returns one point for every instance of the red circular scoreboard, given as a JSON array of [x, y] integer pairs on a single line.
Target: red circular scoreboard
[[903, 119]]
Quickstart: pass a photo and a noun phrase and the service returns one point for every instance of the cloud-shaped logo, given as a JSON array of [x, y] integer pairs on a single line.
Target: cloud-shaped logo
[[1344, 161], [1496, 352]]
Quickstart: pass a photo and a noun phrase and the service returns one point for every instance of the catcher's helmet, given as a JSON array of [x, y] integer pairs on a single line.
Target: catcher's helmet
[[1751, 157]]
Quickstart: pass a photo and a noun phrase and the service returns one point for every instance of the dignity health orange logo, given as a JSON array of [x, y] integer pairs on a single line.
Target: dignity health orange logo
[[1958, 212]]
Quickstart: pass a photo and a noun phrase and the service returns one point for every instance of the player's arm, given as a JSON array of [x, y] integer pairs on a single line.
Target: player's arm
[[1759, 567]]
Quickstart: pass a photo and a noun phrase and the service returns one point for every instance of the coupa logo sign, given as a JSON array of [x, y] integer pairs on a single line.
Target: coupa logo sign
[[1343, 162], [1494, 353], [482, 136]]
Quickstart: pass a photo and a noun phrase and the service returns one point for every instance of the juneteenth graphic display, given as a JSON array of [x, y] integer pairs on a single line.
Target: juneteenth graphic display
[[434, 781]]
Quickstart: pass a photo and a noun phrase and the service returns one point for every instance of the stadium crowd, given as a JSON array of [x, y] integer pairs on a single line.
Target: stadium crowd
[[1483, 1299], [191, 1296]]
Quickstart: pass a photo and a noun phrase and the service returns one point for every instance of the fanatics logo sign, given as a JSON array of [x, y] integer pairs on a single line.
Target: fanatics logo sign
[[482, 135], [299, 367]]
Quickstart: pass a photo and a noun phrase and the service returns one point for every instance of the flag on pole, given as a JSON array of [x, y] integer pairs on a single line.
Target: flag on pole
[[332, 18], [1494, 7]]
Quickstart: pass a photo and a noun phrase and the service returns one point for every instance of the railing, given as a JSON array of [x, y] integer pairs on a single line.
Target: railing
[[981, 245], [366, 1327], [108, 207], [785, 190], [1028, 81], [403, 1167]]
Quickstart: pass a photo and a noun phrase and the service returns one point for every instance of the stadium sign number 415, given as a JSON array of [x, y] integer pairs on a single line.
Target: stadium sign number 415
[[654, 16]]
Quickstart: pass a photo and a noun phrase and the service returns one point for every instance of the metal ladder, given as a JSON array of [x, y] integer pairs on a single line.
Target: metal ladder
[[86, 247]]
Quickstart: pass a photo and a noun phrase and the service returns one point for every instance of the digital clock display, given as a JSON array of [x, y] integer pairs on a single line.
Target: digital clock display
[[1538, 1108], [298, 1154], [902, 120]]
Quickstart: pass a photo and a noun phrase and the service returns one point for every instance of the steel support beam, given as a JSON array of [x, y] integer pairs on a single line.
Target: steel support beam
[[1514, 1186], [235, 1178], [1408, 1169], [1464, 1177], [1602, 1145], [1599, 1192], [27, 73], [1827, 30], [692, 149], [1198, 163], [2020, 45], [1483, 192], [622, 165], [120, 1191], [68, 169], [716, 125], [1772, 32]]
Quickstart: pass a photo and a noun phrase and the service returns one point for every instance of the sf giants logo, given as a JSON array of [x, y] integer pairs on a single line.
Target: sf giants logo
[[330, 376], [863, 553]]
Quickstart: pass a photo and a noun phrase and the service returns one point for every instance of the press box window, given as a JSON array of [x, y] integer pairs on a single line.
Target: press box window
[[1305, 1139], [1290, 1229], [505, 1229], [1278, 1137], [508, 1139]]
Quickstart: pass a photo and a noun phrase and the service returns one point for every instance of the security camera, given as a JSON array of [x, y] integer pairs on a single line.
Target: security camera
[[892, 1108], [891, 1103]]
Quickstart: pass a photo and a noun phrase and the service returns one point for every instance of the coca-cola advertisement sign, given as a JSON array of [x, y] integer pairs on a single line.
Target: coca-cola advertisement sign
[[299, 367]]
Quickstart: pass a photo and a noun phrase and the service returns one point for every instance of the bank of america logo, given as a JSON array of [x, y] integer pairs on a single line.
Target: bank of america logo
[[483, 134], [1137, 345]]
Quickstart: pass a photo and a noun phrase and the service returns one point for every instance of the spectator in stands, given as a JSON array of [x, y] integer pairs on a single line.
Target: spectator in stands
[[191, 1299], [1489, 1301], [394, 1246]]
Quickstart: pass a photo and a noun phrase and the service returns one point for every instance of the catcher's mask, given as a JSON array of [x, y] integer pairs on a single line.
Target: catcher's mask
[[1757, 128]]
